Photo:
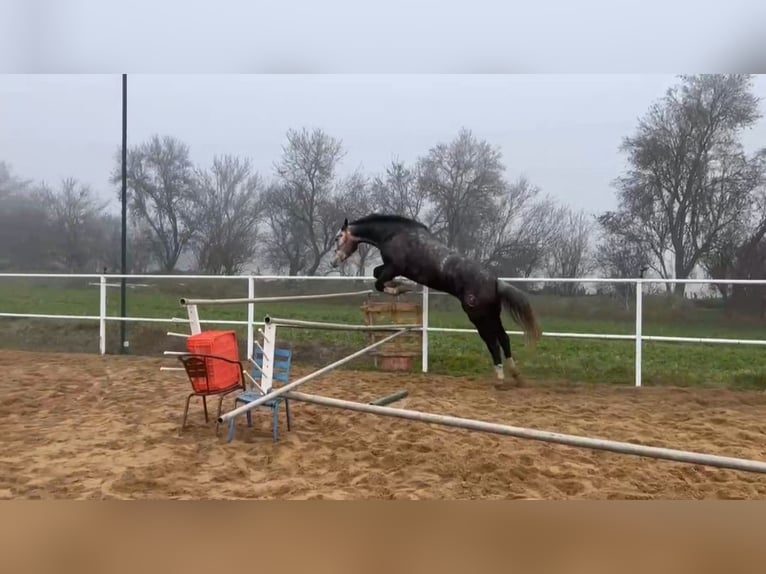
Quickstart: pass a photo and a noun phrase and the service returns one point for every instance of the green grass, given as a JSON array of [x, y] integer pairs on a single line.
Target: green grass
[[557, 359]]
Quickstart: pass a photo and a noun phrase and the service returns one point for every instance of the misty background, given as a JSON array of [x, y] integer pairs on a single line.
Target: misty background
[[532, 174]]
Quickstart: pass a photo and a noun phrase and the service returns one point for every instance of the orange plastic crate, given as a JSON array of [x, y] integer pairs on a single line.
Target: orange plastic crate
[[221, 374]]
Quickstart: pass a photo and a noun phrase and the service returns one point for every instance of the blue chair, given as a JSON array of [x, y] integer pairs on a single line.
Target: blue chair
[[281, 372]]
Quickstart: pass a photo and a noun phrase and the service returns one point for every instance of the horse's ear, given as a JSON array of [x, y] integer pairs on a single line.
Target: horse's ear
[[345, 224]]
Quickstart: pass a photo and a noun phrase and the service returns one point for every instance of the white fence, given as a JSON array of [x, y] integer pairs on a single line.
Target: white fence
[[250, 322]]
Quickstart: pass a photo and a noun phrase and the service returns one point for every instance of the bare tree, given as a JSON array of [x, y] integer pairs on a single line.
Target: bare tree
[[719, 262], [26, 238], [139, 253], [354, 199], [623, 228], [285, 247], [689, 178], [571, 250], [741, 254], [228, 208], [398, 192], [463, 179], [161, 194], [24, 232], [302, 216], [620, 260], [516, 237], [75, 216], [750, 263], [619, 255], [11, 184], [141, 256], [740, 236]]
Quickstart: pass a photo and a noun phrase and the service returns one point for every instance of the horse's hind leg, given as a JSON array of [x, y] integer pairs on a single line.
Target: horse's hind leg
[[489, 334], [505, 345], [504, 340]]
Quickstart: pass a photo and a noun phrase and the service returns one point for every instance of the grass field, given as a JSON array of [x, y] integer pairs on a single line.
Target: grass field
[[575, 360]]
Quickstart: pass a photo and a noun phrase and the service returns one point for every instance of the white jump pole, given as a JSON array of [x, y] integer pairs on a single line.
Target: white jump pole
[[194, 325], [336, 326], [250, 316], [184, 301], [424, 339], [102, 316], [269, 345], [287, 388], [545, 436]]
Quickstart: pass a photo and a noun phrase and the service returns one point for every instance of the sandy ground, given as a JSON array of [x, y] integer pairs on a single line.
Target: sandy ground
[[84, 426]]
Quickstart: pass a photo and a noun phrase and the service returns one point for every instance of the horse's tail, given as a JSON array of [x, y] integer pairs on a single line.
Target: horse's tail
[[518, 305]]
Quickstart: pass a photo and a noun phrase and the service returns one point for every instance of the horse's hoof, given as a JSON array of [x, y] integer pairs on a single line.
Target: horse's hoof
[[502, 386]]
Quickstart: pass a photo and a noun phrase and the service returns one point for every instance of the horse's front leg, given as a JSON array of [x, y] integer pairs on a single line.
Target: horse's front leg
[[383, 279]]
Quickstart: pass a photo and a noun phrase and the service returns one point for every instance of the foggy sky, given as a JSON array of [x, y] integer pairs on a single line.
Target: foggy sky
[[561, 131]]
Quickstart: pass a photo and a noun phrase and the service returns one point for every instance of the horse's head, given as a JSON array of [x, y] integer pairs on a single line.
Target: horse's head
[[345, 244]]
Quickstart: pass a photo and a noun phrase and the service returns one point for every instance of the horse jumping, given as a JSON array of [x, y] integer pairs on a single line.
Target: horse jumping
[[408, 249]]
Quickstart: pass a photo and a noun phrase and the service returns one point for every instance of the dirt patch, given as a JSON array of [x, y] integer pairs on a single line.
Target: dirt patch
[[85, 426]]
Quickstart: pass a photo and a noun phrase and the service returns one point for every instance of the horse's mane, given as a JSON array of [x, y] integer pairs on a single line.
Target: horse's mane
[[388, 218]]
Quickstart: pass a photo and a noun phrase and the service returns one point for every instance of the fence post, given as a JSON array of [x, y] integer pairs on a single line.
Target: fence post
[[424, 332], [250, 316], [639, 324], [102, 316]]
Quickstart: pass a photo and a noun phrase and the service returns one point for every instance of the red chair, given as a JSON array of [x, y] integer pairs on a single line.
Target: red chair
[[200, 368]]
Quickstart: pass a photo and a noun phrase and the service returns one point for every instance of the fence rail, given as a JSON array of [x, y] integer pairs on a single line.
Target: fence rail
[[103, 318]]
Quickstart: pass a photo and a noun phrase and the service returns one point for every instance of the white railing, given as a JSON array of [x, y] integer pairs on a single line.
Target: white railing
[[250, 323]]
